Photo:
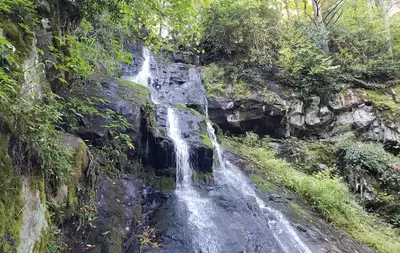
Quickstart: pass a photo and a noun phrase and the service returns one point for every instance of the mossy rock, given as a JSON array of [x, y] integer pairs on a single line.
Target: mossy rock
[[133, 92], [384, 101], [11, 202], [206, 140], [67, 193], [16, 37]]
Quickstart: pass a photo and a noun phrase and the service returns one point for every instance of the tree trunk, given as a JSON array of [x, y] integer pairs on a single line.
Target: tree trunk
[[385, 12], [319, 22], [297, 10], [287, 8]]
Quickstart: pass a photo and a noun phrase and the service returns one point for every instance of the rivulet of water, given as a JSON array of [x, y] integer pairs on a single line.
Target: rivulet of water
[[200, 209], [226, 173], [144, 75]]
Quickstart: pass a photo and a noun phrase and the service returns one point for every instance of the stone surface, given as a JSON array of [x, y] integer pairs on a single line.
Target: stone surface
[[33, 217]]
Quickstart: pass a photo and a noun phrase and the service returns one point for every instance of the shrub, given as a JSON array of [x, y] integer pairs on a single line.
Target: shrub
[[305, 66], [245, 29]]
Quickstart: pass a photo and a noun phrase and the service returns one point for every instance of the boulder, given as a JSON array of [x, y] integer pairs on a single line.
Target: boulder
[[364, 116]]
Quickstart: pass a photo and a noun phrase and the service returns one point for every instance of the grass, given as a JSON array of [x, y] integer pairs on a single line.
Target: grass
[[327, 193]]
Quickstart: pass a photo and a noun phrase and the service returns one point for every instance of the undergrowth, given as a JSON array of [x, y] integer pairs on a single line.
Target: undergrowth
[[324, 190]]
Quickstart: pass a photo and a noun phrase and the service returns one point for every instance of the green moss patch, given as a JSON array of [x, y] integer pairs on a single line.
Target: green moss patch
[[15, 36], [206, 140], [384, 101], [134, 92], [11, 203]]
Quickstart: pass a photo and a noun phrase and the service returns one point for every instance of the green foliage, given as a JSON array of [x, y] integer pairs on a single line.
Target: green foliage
[[213, 78], [305, 66], [324, 191], [245, 30], [21, 9], [360, 44], [11, 203], [371, 158]]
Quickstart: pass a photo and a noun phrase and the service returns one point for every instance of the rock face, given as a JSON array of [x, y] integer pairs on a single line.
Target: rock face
[[121, 97], [249, 115], [33, 213], [193, 127], [309, 118], [118, 211], [170, 82]]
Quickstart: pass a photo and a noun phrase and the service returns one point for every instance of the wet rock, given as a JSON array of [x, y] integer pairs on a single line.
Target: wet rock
[[121, 96], [118, 212], [161, 152], [274, 197]]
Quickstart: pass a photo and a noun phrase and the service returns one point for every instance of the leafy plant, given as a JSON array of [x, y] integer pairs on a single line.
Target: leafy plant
[[306, 67], [245, 30]]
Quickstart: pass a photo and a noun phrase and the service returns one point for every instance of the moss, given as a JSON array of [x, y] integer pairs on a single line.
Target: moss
[[383, 100], [14, 35], [181, 106], [138, 215], [41, 245], [163, 133], [315, 153], [206, 140], [213, 77], [201, 177], [11, 203], [37, 182], [166, 184], [80, 158], [268, 96], [263, 184], [72, 198], [195, 112], [150, 116], [297, 208], [134, 92], [241, 90]]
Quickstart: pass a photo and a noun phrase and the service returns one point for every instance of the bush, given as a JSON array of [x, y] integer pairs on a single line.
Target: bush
[[246, 30], [305, 66]]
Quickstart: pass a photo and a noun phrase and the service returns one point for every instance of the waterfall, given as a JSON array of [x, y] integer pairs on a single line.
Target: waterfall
[[200, 209], [226, 173], [183, 168], [144, 75]]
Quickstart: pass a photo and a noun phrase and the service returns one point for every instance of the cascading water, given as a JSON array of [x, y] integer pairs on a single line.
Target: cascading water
[[227, 216], [200, 209], [228, 174], [144, 75]]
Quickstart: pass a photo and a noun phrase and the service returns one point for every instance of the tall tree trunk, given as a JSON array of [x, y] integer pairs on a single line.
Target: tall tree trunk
[[287, 8], [385, 12], [319, 22], [297, 10]]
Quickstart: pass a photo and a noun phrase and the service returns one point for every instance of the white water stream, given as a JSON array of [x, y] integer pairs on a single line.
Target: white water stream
[[144, 74], [200, 209], [227, 173]]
